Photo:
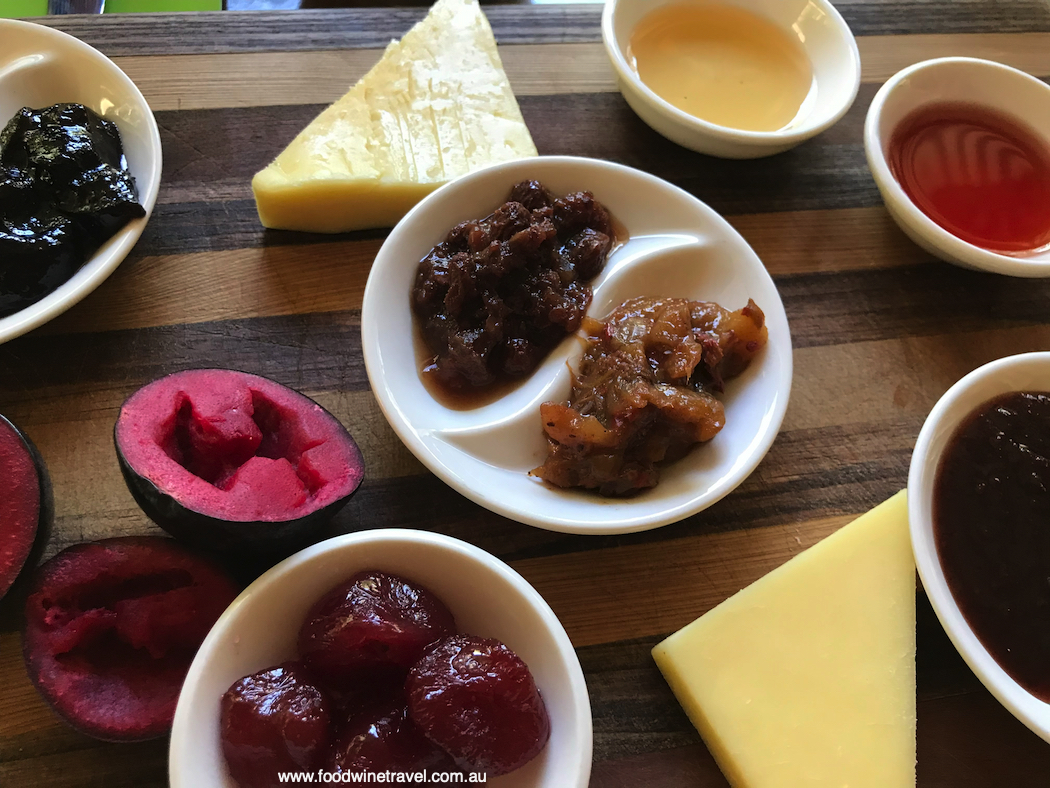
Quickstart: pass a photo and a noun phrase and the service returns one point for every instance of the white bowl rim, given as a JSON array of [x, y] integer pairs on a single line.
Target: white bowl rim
[[985, 259], [582, 722], [112, 253], [945, 418], [795, 134], [628, 524]]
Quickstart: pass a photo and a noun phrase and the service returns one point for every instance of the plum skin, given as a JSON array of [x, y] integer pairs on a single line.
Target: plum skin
[[275, 720], [477, 700], [45, 517], [372, 628]]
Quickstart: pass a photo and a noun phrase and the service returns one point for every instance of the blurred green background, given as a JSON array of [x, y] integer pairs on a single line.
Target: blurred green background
[[16, 8]]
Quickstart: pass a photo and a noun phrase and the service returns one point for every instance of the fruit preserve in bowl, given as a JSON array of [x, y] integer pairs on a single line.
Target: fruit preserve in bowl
[[260, 634]]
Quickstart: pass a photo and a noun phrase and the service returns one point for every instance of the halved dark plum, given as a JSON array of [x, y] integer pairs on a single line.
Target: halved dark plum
[[26, 509], [382, 739], [111, 628], [230, 461], [273, 721], [477, 700], [371, 629]]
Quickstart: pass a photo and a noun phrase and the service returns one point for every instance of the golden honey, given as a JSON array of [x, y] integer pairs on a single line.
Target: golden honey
[[724, 65]]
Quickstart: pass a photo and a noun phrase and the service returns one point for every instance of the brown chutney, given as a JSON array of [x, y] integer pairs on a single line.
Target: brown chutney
[[499, 293], [991, 522]]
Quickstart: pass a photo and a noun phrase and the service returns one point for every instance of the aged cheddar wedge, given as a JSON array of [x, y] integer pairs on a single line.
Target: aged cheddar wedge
[[436, 106], [807, 677]]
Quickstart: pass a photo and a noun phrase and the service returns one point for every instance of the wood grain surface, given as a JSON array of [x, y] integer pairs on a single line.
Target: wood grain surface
[[880, 330]]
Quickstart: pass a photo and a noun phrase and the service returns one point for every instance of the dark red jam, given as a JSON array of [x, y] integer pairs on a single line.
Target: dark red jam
[[991, 520], [980, 175]]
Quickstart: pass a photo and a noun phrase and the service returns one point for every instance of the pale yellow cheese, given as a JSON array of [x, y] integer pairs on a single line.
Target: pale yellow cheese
[[436, 106], [806, 678]]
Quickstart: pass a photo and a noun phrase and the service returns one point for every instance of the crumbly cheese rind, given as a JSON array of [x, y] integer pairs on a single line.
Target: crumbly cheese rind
[[436, 106], [807, 677]]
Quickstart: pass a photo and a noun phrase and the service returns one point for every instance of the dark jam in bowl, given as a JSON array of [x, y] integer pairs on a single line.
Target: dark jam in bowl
[[980, 175], [991, 522]]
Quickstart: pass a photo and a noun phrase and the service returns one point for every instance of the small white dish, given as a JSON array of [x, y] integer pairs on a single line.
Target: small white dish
[[1025, 372], [824, 35], [961, 80], [39, 67], [677, 246], [486, 596]]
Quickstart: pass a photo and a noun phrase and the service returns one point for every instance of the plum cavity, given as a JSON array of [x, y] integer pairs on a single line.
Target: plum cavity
[[111, 628], [477, 700], [205, 447], [383, 738], [24, 504], [372, 628], [274, 721]]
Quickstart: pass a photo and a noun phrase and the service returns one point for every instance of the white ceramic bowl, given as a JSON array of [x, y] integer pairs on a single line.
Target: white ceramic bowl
[[486, 596], [1025, 372], [677, 247], [825, 36], [39, 67], [953, 79]]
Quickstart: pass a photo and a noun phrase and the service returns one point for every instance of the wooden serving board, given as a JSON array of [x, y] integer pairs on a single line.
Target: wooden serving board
[[880, 330]]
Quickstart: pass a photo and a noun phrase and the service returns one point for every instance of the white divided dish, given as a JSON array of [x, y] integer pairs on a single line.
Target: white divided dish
[[486, 596], [954, 80], [823, 33], [40, 67], [1024, 372], [677, 247]]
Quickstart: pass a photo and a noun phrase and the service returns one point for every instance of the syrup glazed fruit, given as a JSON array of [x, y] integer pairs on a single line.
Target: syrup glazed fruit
[[65, 189], [111, 628], [477, 700], [372, 628], [26, 509], [645, 392], [383, 738], [274, 721], [234, 462]]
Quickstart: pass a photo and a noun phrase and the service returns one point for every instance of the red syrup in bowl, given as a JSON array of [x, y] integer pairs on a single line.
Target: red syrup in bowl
[[980, 175]]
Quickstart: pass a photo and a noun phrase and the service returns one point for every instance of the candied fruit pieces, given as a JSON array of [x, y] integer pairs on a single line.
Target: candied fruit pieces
[[468, 704], [374, 626], [383, 738], [477, 700], [274, 721]]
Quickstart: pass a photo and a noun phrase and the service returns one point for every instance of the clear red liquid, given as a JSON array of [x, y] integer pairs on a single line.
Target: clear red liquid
[[980, 175]]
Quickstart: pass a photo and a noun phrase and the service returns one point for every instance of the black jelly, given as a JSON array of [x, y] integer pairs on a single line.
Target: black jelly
[[991, 520], [65, 189]]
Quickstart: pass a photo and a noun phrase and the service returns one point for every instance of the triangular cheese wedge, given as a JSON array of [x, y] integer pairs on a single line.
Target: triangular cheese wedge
[[436, 106], [807, 677]]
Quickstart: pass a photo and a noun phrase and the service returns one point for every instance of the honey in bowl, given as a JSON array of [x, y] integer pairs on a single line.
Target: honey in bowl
[[724, 65], [980, 175]]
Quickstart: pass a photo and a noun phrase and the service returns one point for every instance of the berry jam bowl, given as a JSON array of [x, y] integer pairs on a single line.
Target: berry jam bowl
[[486, 596], [1024, 372], [988, 89]]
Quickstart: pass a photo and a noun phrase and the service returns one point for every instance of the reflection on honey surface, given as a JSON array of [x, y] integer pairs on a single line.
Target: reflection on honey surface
[[724, 65]]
